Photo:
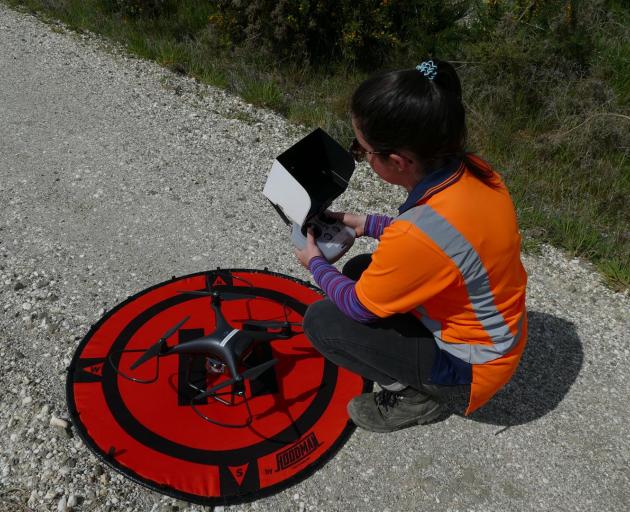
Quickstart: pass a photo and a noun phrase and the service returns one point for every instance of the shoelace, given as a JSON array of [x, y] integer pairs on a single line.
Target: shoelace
[[386, 398]]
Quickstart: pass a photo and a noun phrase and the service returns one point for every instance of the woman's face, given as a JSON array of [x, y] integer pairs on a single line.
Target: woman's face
[[394, 168], [381, 164]]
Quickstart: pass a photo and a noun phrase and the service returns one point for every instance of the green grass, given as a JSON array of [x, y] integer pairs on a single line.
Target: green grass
[[584, 211], [561, 143]]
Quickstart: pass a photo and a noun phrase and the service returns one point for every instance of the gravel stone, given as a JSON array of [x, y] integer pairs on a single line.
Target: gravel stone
[[59, 423], [72, 501], [116, 174], [62, 505]]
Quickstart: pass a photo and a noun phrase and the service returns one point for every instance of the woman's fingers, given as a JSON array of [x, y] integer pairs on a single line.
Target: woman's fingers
[[356, 222], [335, 215], [344, 217], [310, 238]]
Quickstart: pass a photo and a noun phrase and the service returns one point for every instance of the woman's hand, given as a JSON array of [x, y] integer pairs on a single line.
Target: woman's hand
[[356, 222], [310, 250]]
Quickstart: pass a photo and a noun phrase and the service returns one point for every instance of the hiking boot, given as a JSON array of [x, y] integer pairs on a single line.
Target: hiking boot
[[386, 411]]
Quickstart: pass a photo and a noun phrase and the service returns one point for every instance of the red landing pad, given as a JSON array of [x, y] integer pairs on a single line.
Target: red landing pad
[[147, 424]]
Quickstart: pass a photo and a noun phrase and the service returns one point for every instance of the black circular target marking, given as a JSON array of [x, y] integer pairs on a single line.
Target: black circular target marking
[[148, 421]]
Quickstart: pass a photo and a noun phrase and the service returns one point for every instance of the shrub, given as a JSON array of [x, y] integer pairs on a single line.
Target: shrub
[[531, 52], [366, 33], [138, 8]]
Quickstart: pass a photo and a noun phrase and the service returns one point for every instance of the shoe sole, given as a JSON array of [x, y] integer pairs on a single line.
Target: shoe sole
[[423, 420]]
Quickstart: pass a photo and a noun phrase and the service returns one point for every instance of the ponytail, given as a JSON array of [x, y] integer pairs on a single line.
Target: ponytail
[[419, 110], [481, 169]]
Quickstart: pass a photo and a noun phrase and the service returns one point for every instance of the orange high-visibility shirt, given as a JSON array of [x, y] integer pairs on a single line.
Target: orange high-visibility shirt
[[453, 260]]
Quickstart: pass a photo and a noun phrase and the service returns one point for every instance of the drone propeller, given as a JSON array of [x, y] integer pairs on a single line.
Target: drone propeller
[[155, 349], [270, 324], [250, 373], [224, 295]]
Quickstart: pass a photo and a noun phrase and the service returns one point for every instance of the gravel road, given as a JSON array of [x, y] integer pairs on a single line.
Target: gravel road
[[116, 174]]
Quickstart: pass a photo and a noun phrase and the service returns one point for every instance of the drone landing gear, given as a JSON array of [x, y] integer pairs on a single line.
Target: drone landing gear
[[237, 398], [237, 395], [119, 354]]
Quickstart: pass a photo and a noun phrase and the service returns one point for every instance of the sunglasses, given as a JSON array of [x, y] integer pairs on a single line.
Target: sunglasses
[[359, 153]]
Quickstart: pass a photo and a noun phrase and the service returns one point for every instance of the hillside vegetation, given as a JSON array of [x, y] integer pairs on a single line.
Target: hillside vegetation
[[546, 84]]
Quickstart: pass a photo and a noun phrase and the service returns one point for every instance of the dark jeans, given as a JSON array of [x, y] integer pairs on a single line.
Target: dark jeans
[[395, 349]]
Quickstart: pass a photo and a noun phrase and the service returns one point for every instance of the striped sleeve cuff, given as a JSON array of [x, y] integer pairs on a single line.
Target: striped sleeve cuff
[[375, 224], [340, 290]]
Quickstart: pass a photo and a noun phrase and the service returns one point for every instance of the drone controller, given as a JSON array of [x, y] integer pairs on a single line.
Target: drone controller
[[303, 182], [332, 236]]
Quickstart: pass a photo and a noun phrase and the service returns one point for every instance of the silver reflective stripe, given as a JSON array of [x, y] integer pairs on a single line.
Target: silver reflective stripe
[[229, 337], [433, 325], [457, 248], [476, 353]]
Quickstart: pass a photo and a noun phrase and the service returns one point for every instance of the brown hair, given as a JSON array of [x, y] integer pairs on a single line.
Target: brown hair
[[406, 109]]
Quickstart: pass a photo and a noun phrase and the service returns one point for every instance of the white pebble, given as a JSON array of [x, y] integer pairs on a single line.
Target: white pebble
[[58, 422], [72, 501], [32, 500], [62, 506]]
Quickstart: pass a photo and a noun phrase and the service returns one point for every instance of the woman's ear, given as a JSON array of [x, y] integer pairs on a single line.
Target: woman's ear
[[401, 163]]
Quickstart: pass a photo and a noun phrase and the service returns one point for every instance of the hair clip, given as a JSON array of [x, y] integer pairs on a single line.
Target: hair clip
[[428, 69]]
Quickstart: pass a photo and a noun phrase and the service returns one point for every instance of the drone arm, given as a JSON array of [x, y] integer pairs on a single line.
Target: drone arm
[[263, 335], [220, 321]]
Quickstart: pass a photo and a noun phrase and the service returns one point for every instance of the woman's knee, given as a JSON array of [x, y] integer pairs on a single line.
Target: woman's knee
[[317, 320], [356, 266]]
